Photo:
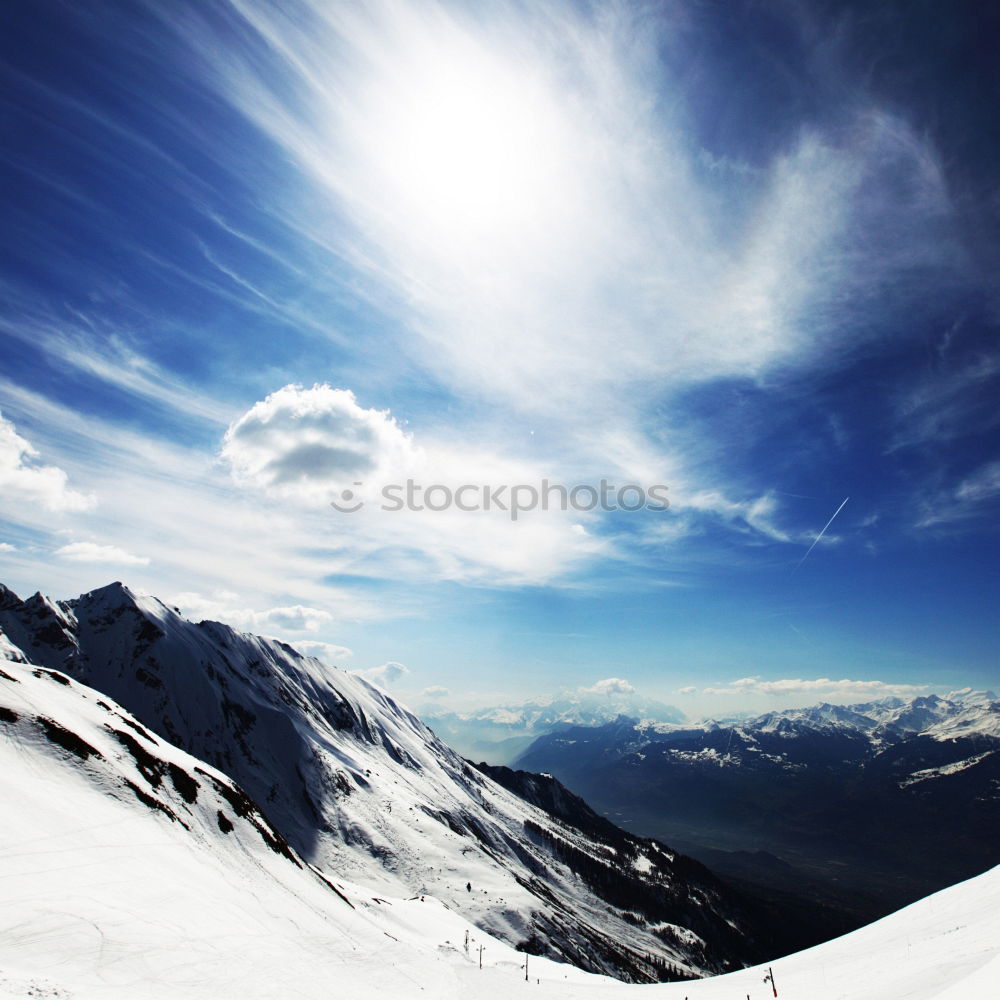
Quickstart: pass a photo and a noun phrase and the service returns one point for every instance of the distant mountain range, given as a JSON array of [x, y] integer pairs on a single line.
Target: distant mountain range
[[878, 803], [215, 731], [960, 713], [500, 734]]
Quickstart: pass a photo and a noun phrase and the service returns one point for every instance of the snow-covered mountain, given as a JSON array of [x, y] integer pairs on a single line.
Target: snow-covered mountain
[[501, 733], [360, 788], [884, 801], [132, 869], [965, 712]]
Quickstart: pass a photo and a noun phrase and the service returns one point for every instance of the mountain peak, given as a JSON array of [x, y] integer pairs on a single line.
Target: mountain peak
[[968, 695], [113, 595], [8, 599]]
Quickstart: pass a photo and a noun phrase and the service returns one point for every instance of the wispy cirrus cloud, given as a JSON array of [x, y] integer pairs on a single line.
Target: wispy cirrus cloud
[[86, 345], [951, 401], [974, 498], [598, 256], [580, 265], [570, 265], [94, 552], [529, 241]]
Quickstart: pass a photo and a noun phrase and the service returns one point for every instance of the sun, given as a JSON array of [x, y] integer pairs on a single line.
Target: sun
[[468, 146]]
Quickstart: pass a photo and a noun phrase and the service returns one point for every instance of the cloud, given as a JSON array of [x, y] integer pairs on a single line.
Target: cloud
[[821, 687], [690, 689], [436, 692], [91, 552], [974, 498], [384, 675], [309, 443], [954, 400], [758, 517], [572, 243], [24, 480], [609, 686], [225, 606], [328, 652], [981, 486], [226, 536], [91, 344], [294, 618], [7, 547], [305, 445], [220, 606]]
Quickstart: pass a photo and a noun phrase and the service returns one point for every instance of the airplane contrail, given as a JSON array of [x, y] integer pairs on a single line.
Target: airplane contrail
[[821, 534]]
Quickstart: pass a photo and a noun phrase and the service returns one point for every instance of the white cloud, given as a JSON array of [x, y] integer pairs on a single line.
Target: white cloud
[[7, 547], [436, 692], [821, 687], [221, 606], [25, 480], [973, 498], [92, 552], [328, 652], [294, 618], [690, 689], [609, 686], [984, 484], [759, 516], [227, 607], [312, 443], [385, 675]]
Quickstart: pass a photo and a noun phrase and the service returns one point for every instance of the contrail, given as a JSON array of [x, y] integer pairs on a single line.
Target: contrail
[[797, 632], [821, 534]]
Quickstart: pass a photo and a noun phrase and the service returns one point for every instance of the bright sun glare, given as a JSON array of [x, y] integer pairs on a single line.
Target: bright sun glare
[[470, 149]]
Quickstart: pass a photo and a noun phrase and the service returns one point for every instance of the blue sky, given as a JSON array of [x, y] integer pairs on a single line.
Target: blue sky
[[257, 254]]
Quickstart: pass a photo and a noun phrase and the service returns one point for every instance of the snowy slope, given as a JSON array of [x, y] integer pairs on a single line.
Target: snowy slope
[[131, 869], [361, 787], [109, 895]]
